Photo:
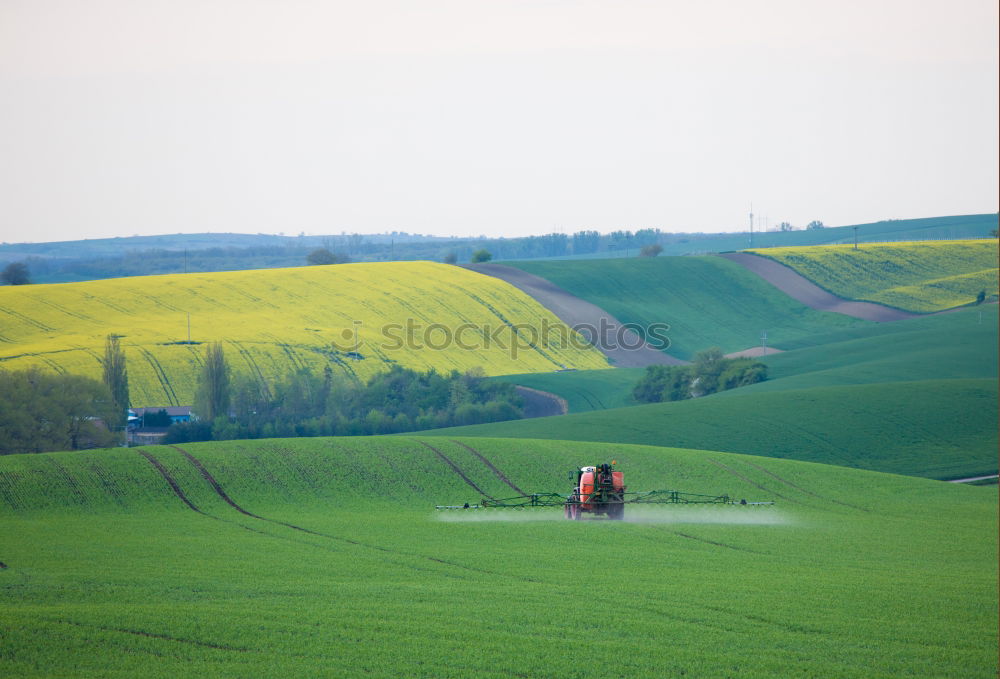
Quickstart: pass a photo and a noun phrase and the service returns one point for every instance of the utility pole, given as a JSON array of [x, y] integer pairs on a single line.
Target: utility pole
[[855, 238], [751, 223], [189, 328], [763, 341]]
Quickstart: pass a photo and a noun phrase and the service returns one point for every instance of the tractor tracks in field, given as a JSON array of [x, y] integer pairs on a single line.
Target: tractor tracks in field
[[170, 480], [500, 475], [220, 491], [780, 480], [749, 480], [154, 635], [455, 468], [803, 490]]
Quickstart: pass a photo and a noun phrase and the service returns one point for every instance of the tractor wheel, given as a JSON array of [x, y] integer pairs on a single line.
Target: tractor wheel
[[616, 511], [572, 509]]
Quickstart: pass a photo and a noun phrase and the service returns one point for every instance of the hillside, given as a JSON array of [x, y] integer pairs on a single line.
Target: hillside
[[956, 345], [934, 428], [351, 317], [919, 276], [318, 557], [707, 301]]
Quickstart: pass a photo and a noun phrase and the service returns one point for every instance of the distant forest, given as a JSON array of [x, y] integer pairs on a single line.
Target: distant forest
[[178, 253]]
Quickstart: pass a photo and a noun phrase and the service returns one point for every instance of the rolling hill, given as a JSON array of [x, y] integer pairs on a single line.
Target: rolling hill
[[324, 557], [939, 429], [956, 345], [707, 301], [356, 318]]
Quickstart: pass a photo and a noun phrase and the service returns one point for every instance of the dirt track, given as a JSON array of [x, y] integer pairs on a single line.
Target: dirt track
[[539, 403], [802, 289], [576, 312]]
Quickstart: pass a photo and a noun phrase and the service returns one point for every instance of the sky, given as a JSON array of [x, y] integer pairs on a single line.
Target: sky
[[491, 117]]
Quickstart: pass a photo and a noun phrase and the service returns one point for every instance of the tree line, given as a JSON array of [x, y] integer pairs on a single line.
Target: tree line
[[708, 373], [307, 403], [41, 412]]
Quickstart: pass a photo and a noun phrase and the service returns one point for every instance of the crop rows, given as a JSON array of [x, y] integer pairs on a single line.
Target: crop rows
[[280, 320], [321, 557]]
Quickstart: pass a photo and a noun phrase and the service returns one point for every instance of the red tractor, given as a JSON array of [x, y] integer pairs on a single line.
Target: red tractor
[[598, 490]]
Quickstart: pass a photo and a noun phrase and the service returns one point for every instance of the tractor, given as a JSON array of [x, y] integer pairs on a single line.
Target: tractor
[[597, 490]]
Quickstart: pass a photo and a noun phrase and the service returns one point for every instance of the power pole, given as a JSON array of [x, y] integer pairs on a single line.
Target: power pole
[[855, 238], [751, 224], [763, 341]]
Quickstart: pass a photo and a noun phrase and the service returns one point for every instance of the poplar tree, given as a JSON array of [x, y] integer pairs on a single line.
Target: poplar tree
[[116, 379], [213, 388]]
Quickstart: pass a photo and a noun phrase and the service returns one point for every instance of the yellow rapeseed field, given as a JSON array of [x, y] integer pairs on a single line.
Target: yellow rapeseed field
[[920, 276], [357, 318]]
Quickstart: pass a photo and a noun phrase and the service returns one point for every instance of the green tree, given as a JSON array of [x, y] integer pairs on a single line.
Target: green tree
[[450, 258], [323, 256], [212, 399], [707, 367], [481, 255], [15, 273], [814, 224], [44, 412], [651, 250], [981, 297], [116, 379]]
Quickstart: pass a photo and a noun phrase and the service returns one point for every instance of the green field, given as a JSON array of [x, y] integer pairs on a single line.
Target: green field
[[707, 301], [956, 345], [940, 429], [338, 566], [946, 346]]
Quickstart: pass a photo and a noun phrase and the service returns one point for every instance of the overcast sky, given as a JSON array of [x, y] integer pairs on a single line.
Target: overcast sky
[[498, 117]]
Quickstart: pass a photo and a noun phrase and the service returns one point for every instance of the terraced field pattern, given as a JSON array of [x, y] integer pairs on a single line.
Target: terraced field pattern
[[325, 557], [920, 276], [352, 317]]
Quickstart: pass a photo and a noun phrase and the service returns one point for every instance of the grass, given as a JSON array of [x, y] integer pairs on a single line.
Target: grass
[[707, 301], [852, 574], [934, 428], [350, 317], [958, 345], [919, 276]]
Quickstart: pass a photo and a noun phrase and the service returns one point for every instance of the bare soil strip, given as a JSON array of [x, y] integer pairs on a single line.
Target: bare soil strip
[[754, 352], [482, 458], [802, 289], [170, 480], [576, 312], [538, 403], [974, 478], [458, 471]]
